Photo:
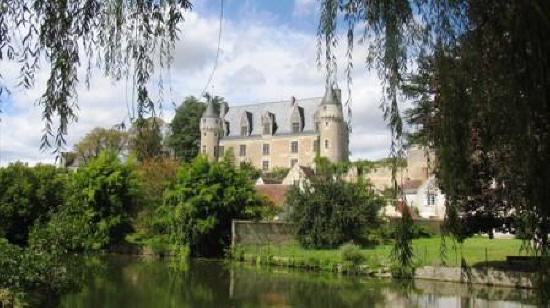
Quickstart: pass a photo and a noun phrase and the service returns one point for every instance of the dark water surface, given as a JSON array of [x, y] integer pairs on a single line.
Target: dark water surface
[[132, 282]]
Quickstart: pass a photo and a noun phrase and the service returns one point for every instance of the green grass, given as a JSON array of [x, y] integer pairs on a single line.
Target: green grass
[[427, 252]]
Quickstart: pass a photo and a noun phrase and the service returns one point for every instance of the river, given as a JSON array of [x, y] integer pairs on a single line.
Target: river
[[123, 281]]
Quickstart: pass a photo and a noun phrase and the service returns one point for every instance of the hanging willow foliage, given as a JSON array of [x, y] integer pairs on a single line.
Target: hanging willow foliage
[[122, 37], [481, 92]]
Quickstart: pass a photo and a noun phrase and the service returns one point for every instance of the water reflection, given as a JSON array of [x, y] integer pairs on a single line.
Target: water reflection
[[130, 282]]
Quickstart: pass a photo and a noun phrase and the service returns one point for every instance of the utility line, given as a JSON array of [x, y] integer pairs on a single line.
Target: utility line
[[217, 52]]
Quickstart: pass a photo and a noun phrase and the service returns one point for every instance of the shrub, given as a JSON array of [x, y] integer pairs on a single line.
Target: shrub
[[328, 212], [200, 205], [350, 252], [102, 197], [28, 195]]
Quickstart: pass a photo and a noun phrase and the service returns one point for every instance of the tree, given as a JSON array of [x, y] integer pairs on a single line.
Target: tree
[[101, 201], [186, 135], [203, 201], [147, 139], [127, 38], [155, 174], [100, 139], [328, 212], [27, 196], [490, 82]]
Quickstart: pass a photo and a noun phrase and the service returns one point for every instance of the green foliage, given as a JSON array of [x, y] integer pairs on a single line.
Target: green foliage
[[328, 212], [201, 203], [350, 252], [27, 196], [27, 269], [186, 136], [102, 197], [277, 173], [402, 253], [155, 175], [100, 139], [127, 39], [147, 140], [489, 132]]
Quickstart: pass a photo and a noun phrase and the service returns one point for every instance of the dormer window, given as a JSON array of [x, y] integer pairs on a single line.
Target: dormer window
[[297, 120], [246, 124], [268, 123]]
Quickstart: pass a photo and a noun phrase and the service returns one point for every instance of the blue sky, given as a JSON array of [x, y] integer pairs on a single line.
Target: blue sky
[[268, 52]]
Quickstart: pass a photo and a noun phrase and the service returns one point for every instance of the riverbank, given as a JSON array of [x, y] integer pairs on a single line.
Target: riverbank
[[479, 260]]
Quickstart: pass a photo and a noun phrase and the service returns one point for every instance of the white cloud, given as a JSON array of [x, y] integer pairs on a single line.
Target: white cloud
[[304, 7], [258, 62]]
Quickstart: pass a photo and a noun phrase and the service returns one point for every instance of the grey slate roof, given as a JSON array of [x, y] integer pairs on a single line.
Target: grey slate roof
[[281, 110], [210, 111]]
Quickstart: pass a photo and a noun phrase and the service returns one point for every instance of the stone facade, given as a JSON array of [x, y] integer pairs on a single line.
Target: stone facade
[[280, 134]]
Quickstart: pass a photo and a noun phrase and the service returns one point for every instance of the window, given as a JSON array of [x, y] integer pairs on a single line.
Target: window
[[326, 124], [265, 165], [220, 151], [203, 149], [431, 199], [326, 144], [295, 127], [244, 130], [293, 162], [294, 147], [267, 129], [216, 149], [242, 150], [316, 145], [265, 149], [317, 126]]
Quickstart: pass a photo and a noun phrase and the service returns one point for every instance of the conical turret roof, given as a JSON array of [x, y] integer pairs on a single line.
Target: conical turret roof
[[210, 111], [330, 97]]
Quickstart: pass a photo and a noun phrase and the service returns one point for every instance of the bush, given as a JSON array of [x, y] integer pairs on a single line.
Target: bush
[[102, 197], [351, 253], [28, 195], [328, 212], [200, 205]]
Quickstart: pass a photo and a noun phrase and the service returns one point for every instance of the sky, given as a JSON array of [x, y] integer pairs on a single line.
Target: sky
[[268, 53]]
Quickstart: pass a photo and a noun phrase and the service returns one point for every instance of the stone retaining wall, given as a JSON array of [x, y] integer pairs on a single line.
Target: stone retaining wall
[[486, 276], [260, 233]]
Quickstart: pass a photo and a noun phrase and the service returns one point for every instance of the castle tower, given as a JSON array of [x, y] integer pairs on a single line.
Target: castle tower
[[211, 128], [333, 131]]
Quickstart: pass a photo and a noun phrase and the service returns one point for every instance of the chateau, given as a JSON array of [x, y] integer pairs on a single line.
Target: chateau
[[279, 134]]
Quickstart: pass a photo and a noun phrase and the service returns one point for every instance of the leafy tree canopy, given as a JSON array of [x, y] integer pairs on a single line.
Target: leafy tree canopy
[[27, 196], [205, 198], [186, 136], [100, 139], [481, 94], [327, 212]]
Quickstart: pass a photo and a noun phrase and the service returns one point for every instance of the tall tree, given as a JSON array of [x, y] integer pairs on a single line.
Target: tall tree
[[100, 139], [147, 138], [492, 90], [185, 139]]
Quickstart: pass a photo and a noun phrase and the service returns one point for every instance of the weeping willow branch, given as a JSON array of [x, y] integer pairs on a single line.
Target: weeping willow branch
[[123, 37]]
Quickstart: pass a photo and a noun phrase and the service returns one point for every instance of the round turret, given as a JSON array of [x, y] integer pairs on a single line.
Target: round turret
[[332, 128], [211, 128]]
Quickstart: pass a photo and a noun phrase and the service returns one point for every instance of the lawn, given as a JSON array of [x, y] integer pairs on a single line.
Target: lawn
[[427, 252]]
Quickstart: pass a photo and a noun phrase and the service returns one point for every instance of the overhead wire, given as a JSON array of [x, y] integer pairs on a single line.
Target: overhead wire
[[217, 52]]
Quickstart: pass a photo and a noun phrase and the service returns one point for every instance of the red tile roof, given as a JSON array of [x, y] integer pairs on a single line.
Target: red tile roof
[[274, 192]]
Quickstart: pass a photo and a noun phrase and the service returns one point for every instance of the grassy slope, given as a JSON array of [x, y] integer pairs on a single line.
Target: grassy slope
[[427, 252]]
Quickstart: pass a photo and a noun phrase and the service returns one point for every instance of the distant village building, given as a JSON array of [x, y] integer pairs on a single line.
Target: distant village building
[[279, 134]]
